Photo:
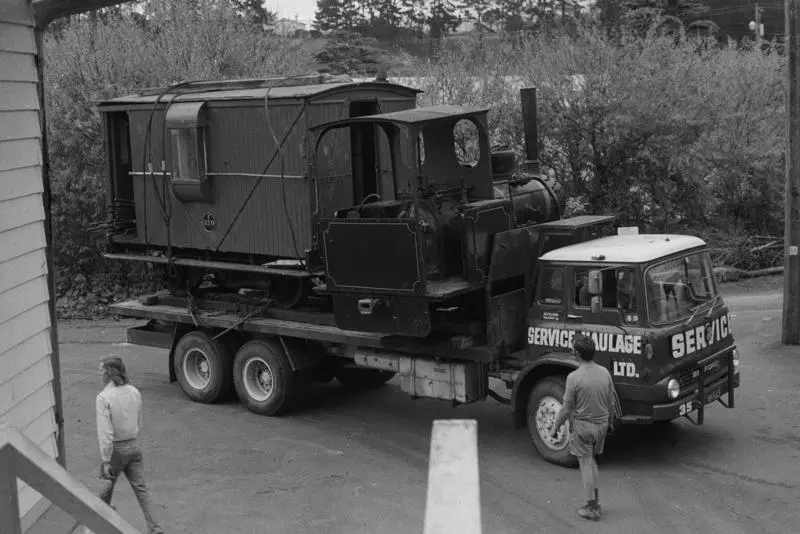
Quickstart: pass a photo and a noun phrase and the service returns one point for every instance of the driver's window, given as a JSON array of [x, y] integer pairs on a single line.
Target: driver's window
[[619, 290], [582, 298]]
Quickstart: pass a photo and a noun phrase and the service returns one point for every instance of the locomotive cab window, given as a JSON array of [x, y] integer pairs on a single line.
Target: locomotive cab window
[[186, 126]]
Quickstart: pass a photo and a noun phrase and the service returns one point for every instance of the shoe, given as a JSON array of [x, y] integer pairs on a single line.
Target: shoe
[[591, 511]]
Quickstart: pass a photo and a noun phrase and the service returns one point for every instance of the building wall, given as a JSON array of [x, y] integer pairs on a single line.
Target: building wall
[[27, 398]]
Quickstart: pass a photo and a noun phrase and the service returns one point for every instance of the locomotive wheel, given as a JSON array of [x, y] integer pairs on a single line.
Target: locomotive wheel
[[264, 380], [362, 379], [203, 367], [544, 402]]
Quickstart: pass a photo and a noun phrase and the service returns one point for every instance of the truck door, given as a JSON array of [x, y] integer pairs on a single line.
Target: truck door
[[615, 329]]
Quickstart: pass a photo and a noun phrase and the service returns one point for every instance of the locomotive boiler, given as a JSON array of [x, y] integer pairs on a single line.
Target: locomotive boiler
[[323, 191]]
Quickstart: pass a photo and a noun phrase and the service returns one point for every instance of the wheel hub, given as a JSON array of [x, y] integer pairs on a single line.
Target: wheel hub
[[259, 382], [546, 413], [197, 369]]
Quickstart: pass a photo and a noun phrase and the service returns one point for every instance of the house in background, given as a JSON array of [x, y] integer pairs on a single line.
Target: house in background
[[289, 27]]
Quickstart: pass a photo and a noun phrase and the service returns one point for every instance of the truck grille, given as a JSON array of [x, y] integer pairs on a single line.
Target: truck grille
[[714, 369]]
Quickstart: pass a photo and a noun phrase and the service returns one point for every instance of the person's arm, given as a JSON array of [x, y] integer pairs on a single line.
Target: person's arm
[[611, 402], [569, 403], [105, 431]]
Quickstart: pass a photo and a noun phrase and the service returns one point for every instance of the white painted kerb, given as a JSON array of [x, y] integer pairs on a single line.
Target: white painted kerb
[[453, 504]]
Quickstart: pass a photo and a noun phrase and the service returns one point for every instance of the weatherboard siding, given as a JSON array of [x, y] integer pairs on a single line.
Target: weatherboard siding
[[27, 398]]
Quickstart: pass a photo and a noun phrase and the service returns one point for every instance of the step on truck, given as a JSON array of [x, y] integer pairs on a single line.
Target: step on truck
[[315, 228]]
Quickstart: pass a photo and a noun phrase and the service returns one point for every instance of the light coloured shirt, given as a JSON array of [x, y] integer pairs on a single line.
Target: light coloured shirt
[[119, 416]]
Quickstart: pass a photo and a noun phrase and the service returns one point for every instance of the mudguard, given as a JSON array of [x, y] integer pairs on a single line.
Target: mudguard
[[552, 363]]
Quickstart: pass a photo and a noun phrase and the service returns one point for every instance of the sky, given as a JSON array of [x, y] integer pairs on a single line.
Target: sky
[[304, 9]]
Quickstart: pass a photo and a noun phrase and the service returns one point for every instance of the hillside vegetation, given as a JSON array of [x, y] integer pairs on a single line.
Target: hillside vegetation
[[668, 133]]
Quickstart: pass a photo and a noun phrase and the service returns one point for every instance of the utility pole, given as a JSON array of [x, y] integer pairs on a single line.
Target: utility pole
[[791, 273], [756, 26]]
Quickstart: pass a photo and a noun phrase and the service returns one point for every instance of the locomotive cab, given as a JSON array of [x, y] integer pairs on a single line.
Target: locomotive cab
[[422, 241]]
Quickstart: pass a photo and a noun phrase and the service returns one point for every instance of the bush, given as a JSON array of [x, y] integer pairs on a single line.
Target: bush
[[669, 133], [110, 54]]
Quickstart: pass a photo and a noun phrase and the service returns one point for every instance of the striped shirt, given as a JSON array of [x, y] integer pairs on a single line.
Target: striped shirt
[[119, 416]]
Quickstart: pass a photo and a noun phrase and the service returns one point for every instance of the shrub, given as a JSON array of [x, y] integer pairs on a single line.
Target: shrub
[[668, 133]]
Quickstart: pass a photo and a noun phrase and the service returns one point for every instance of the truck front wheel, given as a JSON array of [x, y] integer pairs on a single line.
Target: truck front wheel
[[203, 367], [544, 403], [264, 379]]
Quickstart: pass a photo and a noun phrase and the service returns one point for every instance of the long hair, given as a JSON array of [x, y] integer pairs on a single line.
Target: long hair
[[114, 370]]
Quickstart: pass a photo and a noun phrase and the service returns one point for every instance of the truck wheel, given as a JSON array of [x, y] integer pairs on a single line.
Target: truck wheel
[[362, 379], [264, 380], [544, 402], [203, 367]]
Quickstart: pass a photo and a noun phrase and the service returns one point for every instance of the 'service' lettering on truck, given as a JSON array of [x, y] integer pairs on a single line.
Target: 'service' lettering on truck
[[561, 338], [694, 339]]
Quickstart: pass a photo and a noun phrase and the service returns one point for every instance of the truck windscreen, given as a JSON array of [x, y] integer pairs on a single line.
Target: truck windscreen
[[675, 288]]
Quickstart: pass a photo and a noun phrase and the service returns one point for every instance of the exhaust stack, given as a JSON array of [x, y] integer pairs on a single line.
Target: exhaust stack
[[529, 122]]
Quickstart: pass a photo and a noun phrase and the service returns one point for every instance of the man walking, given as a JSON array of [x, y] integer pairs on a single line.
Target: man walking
[[119, 418], [588, 402]]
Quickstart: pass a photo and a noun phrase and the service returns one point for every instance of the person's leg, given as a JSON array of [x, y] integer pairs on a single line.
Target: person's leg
[[135, 476], [117, 466], [588, 472], [582, 447]]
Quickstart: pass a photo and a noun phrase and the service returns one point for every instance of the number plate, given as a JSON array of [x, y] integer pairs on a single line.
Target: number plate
[[713, 395]]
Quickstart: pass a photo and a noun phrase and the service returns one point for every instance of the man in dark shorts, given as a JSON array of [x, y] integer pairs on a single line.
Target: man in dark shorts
[[589, 400]]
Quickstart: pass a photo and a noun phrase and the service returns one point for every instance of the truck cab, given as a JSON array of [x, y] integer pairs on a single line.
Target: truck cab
[[651, 305]]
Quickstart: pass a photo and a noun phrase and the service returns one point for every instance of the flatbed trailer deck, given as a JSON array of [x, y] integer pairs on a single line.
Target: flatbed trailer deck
[[300, 324]]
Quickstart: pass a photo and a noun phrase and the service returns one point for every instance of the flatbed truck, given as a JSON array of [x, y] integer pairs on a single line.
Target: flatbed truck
[[650, 303]]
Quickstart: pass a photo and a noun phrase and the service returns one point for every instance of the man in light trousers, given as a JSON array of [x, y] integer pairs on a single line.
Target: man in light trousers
[[119, 418]]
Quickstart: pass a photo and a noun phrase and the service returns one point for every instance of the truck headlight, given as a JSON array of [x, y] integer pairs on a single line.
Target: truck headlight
[[673, 389], [736, 357]]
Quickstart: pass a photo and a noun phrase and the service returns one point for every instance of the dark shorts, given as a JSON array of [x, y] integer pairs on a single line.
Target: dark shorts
[[587, 439]]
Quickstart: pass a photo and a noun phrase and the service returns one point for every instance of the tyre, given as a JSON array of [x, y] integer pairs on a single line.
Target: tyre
[[264, 380], [362, 379], [544, 402], [203, 367]]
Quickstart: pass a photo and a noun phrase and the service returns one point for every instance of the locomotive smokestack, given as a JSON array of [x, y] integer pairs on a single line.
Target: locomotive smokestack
[[529, 122]]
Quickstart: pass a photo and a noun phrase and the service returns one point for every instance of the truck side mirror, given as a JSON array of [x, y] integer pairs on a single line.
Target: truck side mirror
[[597, 304], [595, 282]]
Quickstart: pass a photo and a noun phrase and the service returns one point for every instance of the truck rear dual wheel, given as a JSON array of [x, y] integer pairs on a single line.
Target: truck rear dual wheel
[[203, 366], [544, 402], [264, 379]]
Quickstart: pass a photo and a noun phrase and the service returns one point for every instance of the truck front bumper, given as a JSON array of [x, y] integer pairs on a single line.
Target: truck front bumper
[[691, 405]]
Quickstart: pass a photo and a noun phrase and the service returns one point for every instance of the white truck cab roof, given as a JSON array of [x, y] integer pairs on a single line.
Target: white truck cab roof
[[641, 248]]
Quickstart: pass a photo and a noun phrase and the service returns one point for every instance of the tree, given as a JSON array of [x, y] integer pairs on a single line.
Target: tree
[[641, 15], [255, 11], [329, 15], [443, 20], [334, 15]]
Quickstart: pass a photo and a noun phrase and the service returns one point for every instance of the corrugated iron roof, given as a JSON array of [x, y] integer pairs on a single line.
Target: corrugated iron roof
[[250, 93]]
